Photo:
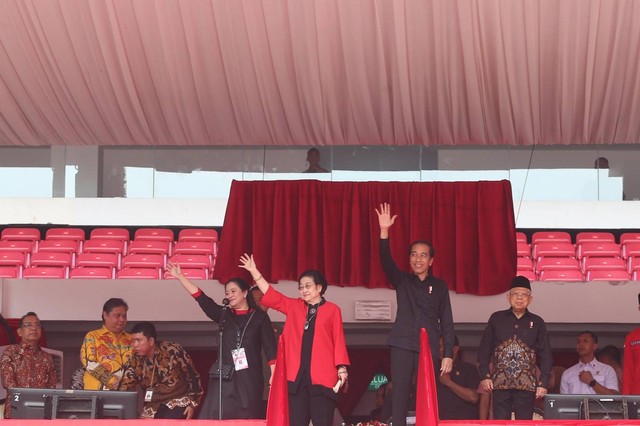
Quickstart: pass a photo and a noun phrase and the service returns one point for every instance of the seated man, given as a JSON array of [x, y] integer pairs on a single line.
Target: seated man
[[166, 374], [589, 376], [457, 390], [25, 365]]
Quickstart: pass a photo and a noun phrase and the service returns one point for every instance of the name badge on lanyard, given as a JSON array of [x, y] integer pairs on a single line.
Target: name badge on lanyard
[[239, 359]]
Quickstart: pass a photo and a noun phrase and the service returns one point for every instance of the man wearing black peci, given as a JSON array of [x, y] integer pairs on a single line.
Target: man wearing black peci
[[515, 340]]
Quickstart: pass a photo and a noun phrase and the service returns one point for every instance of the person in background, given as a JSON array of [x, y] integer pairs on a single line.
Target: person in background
[[106, 350], [315, 348], [611, 356], [423, 302], [25, 364], [631, 365], [515, 340], [457, 391], [247, 333], [589, 376], [165, 373], [313, 158]]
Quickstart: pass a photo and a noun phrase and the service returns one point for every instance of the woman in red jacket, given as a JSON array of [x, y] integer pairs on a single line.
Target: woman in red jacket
[[315, 349]]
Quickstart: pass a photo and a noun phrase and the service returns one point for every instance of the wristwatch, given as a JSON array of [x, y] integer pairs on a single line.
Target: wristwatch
[[592, 383]]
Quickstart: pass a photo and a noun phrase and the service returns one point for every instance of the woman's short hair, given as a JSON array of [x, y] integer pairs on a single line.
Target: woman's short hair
[[317, 278]]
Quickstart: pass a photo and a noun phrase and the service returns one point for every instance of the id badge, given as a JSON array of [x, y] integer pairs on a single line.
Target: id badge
[[239, 359], [148, 395]]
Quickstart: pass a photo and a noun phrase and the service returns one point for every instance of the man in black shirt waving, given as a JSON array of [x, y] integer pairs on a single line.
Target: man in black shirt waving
[[423, 302], [515, 340]]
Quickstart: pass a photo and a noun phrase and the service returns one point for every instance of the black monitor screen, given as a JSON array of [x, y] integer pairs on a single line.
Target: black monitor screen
[[30, 403], [591, 407]]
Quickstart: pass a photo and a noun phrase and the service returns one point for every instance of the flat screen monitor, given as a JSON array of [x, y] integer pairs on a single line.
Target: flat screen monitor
[[32, 403], [591, 407]]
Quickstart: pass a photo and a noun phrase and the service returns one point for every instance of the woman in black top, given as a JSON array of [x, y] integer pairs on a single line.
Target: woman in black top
[[247, 332]]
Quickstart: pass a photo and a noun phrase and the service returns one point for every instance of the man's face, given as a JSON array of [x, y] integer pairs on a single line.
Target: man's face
[[116, 320], [519, 298], [420, 259], [142, 345], [30, 330], [585, 346]]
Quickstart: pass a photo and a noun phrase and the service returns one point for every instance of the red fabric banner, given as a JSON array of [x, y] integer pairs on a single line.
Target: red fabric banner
[[291, 226], [278, 405], [427, 409]]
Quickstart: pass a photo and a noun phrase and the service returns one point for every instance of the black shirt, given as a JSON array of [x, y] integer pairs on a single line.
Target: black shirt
[[421, 304], [515, 345], [450, 405]]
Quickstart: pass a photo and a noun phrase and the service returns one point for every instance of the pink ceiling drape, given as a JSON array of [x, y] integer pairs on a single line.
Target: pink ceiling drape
[[319, 72]]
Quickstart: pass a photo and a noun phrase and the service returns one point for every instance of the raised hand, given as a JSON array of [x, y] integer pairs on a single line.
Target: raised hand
[[385, 219], [173, 269], [247, 262]]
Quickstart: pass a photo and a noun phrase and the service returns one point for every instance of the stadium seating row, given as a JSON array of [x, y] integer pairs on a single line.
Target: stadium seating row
[[107, 254], [595, 256]]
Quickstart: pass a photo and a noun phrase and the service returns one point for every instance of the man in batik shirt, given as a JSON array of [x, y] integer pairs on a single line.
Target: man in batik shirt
[[26, 365], [165, 373], [515, 340]]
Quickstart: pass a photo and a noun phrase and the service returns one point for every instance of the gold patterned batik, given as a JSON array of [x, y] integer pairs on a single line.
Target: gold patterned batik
[[516, 365]]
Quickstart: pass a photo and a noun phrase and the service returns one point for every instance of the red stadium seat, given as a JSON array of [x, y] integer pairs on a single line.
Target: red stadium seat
[[206, 248], [115, 247], [58, 246], [529, 274], [557, 263], [561, 249], [138, 273], [150, 247], [630, 249], [52, 259], [155, 234], [44, 272], [118, 234], [523, 249], [193, 261], [13, 259], [75, 234], [88, 272], [193, 234], [603, 263], [550, 237], [24, 247], [608, 275], [8, 272], [598, 249], [524, 264], [521, 237], [630, 237], [154, 262], [633, 265], [98, 260], [20, 234], [561, 275], [599, 237], [193, 274]]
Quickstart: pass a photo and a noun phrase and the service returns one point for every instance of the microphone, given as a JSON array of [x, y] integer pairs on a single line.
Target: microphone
[[225, 303]]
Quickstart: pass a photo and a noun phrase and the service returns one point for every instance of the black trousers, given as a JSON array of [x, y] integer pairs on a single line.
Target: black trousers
[[404, 365], [165, 412], [520, 402], [304, 407]]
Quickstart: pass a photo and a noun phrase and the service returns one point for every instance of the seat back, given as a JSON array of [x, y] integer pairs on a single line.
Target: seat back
[[20, 234]]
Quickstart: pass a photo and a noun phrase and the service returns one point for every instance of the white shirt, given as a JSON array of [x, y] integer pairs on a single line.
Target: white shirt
[[602, 373]]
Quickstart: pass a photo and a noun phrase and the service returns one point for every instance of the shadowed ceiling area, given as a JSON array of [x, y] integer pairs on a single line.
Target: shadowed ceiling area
[[319, 72]]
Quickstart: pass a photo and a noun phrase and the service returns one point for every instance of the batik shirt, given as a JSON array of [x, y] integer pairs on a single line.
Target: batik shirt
[[171, 376], [515, 345], [26, 366], [103, 354]]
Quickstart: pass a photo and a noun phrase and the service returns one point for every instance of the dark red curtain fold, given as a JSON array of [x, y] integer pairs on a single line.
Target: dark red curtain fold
[[291, 226]]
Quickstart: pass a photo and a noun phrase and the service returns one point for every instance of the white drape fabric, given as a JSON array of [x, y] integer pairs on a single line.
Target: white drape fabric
[[319, 72]]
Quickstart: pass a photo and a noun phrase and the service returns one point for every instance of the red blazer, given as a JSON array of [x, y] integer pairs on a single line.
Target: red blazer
[[329, 348]]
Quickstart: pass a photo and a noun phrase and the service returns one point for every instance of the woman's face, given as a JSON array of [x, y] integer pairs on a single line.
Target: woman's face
[[237, 297], [309, 290], [116, 319]]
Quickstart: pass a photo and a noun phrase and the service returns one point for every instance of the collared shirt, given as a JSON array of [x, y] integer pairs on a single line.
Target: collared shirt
[[103, 354], [171, 376], [26, 366], [421, 304], [515, 345], [602, 373]]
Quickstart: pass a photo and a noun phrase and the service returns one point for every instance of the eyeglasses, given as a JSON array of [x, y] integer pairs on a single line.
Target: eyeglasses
[[519, 294], [306, 287], [31, 325]]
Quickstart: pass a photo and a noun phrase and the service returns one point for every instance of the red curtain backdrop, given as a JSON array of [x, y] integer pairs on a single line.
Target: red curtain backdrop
[[291, 226]]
